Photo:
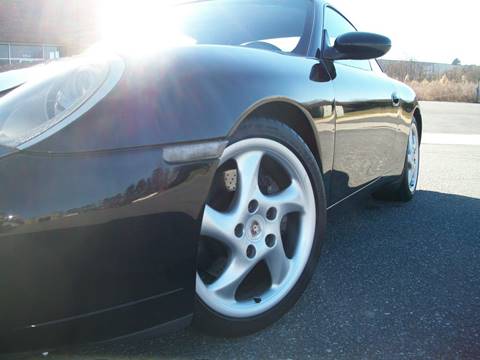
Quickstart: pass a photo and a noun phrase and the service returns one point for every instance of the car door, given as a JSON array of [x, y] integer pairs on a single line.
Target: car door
[[366, 117]]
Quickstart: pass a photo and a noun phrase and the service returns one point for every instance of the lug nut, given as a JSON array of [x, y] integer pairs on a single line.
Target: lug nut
[[239, 230], [252, 206], [270, 240], [251, 251], [272, 213]]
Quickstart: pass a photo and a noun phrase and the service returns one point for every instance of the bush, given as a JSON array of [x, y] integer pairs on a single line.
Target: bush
[[445, 90]]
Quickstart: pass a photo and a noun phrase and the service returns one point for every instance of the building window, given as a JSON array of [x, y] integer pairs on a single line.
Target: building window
[[26, 53], [4, 54], [21, 53], [51, 52]]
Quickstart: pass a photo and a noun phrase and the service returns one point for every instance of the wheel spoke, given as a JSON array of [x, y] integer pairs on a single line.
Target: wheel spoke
[[278, 263], [219, 226], [235, 272], [248, 165], [287, 201], [411, 159]]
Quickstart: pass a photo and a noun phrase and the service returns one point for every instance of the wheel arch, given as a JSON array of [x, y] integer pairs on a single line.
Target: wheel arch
[[291, 114]]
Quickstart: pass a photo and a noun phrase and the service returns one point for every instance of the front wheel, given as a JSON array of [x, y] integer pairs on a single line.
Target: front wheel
[[262, 230]]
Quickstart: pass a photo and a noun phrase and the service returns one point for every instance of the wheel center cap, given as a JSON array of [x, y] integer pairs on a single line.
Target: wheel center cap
[[255, 228]]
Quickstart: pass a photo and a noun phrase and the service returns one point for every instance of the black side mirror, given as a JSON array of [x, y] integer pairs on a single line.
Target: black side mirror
[[356, 46]]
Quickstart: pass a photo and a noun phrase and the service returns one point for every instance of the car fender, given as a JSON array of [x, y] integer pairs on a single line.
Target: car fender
[[196, 94]]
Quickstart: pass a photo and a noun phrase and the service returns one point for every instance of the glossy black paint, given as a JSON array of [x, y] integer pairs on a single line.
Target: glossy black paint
[[358, 46], [94, 246], [366, 130], [4, 151], [98, 235]]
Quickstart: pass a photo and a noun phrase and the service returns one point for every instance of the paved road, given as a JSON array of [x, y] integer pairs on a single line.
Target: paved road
[[395, 281], [451, 118]]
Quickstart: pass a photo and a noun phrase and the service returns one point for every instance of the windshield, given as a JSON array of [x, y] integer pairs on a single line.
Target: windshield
[[272, 25], [279, 23]]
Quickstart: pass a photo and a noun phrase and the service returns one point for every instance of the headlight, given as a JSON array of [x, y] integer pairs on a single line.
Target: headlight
[[59, 90]]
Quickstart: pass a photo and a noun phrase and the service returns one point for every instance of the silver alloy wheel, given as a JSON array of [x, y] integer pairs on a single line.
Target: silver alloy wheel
[[260, 238], [412, 158]]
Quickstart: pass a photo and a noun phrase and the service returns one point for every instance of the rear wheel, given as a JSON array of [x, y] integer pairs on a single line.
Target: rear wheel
[[405, 188], [261, 231]]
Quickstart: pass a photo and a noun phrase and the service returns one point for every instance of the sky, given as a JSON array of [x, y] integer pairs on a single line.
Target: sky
[[424, 30]]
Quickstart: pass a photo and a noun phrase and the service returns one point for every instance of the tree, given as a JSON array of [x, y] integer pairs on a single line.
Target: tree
[[456, 62]]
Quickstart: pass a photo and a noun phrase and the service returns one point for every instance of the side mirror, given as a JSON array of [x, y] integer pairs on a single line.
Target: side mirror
[[356, 46]]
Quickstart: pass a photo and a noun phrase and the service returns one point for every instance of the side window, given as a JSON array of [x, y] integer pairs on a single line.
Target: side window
[[337, 25]]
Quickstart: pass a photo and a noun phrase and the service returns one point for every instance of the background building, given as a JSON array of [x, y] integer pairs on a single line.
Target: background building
[[33, 31]]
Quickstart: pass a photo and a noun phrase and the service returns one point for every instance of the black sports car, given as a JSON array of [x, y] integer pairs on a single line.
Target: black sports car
[[139, 193]]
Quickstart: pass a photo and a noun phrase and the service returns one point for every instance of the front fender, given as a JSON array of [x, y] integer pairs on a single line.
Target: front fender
[[193, 94]]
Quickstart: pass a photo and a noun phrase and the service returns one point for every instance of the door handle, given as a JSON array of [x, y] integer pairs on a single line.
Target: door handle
[[395, 99]]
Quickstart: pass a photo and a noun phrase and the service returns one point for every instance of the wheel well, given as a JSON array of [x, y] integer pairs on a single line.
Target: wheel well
[[418, 116], [295, 118]]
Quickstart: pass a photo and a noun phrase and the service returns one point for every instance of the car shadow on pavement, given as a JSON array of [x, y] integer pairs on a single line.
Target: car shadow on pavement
[[395, 281]]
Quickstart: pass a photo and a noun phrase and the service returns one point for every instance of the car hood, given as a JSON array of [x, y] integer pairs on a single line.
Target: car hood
[[4, 151], [183, 94]]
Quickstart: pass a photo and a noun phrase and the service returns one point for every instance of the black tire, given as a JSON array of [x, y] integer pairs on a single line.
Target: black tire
[[400, 190], [209, 321]]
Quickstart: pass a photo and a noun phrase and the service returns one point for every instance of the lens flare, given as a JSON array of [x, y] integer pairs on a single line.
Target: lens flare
[[142, 26]]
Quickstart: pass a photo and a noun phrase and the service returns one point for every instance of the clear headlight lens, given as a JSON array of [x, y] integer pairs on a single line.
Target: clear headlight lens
[[58, 90]]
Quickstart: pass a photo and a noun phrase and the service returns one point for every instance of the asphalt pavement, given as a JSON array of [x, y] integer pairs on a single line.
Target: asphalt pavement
[[395, 281]]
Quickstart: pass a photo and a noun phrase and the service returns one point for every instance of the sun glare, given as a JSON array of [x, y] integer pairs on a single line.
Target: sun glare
[[141, 26]]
